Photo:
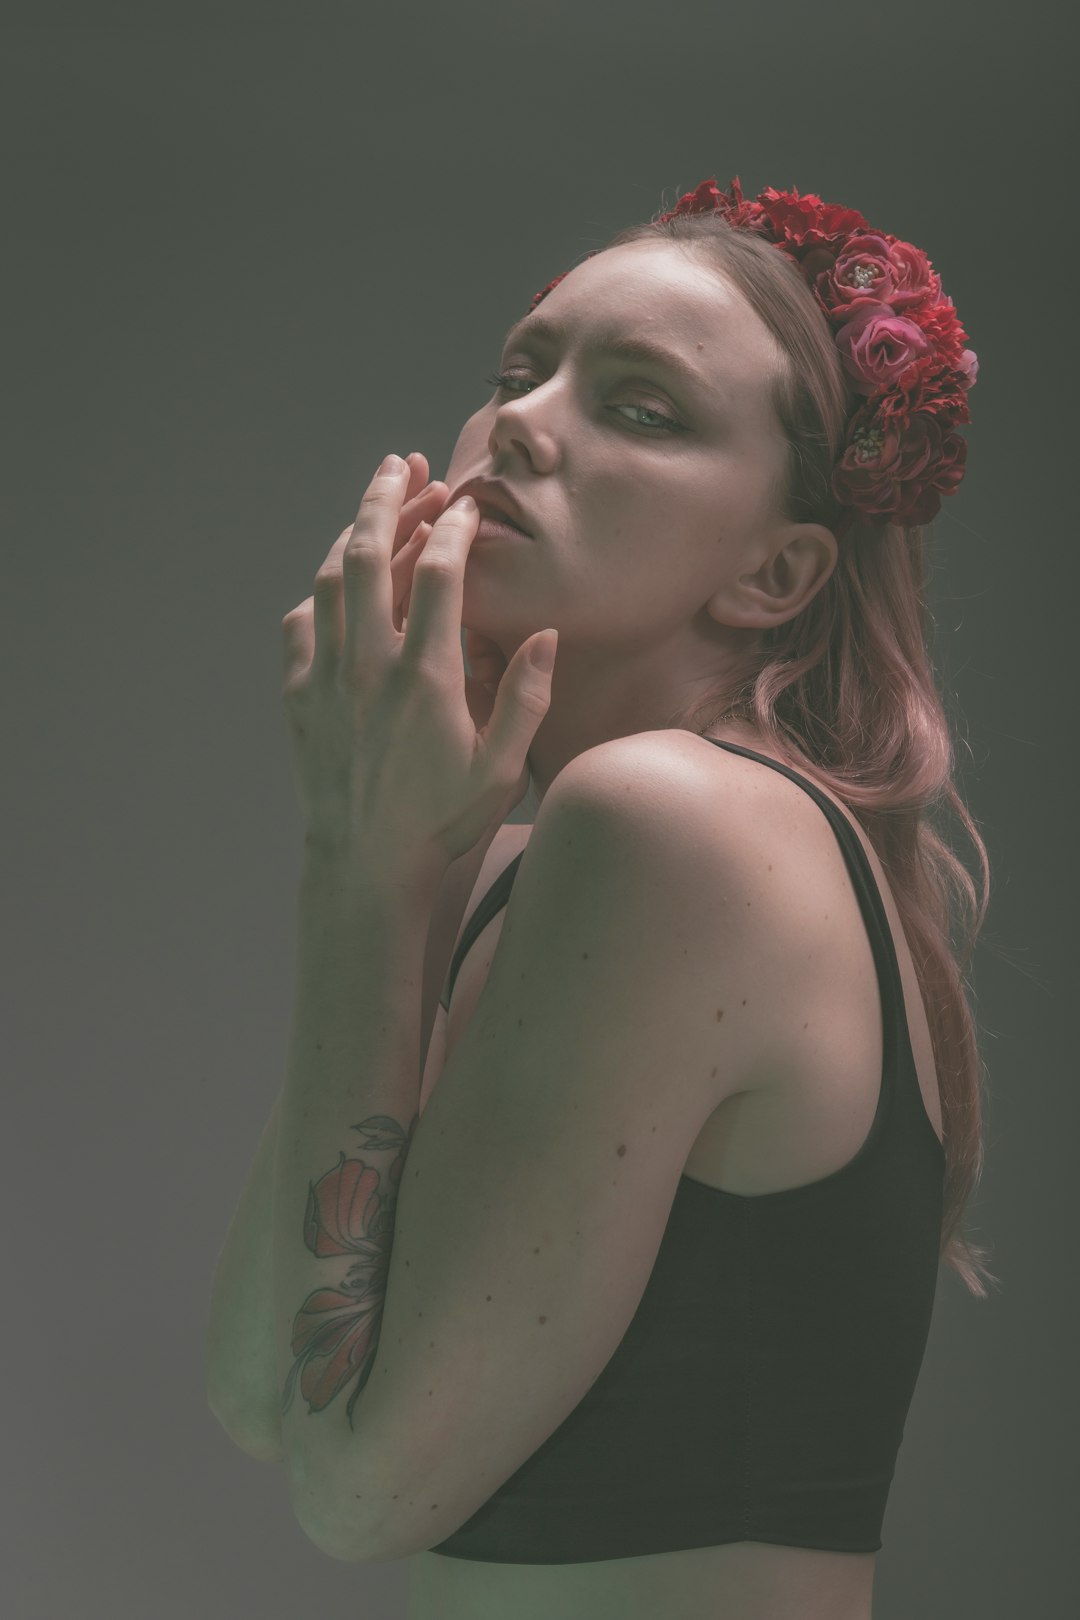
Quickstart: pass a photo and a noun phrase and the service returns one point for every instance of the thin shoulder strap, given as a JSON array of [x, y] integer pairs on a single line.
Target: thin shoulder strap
[[493, 902], [862, 876]]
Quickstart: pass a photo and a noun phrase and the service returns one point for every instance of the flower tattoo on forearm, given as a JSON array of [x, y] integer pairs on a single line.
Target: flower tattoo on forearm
[[350, 1210]]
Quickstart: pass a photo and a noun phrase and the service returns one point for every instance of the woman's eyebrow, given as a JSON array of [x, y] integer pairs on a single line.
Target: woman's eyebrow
[[544, 329]]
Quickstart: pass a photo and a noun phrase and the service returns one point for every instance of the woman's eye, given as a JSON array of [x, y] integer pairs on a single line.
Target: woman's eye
[[503, 379]]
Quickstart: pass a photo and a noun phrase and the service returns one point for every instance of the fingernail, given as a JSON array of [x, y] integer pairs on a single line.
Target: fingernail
[[392, 464], [542, 654], [464, 503]]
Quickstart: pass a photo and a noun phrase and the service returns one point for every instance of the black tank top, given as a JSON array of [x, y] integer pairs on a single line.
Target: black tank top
[[761, 1389]]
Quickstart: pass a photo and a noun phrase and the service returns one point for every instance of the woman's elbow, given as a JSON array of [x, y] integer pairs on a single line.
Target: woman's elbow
[[262, 1441]]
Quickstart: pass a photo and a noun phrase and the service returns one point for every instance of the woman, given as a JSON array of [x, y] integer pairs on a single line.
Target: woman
[[720, 1064], [751, 597]]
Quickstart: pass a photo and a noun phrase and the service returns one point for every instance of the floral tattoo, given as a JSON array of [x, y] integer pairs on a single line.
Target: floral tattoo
[[350, 1210]]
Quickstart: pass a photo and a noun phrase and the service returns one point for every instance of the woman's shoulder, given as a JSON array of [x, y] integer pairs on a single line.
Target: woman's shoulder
[[718, 802], [678, 770], [698, 788]]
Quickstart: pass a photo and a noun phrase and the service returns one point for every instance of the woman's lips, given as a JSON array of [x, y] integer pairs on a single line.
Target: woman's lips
[[498, 528]]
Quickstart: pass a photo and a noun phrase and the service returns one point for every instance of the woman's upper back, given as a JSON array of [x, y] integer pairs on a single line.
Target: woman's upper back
[[810, 1084]]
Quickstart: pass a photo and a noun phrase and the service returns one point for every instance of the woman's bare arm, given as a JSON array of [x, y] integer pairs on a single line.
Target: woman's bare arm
[[240, 1366]]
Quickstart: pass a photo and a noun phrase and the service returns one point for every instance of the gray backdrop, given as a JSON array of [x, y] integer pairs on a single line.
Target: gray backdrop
[[246, 257]]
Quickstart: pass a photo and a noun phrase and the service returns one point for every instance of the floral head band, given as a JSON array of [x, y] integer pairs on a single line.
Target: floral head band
[[898, 335]]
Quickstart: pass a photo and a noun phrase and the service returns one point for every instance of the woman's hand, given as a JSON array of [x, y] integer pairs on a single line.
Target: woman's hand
[[396, 752]]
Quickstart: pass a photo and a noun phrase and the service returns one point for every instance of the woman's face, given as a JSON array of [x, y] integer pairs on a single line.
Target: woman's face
[[642, 524]]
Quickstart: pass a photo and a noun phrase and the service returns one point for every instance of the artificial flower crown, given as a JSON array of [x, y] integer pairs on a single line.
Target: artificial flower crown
[[898, 335]]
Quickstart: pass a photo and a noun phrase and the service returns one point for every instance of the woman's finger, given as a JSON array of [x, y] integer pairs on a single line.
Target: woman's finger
[[367, 580], [434, 631], [324, 632], [416, 461], [298, 642], [405, 563]]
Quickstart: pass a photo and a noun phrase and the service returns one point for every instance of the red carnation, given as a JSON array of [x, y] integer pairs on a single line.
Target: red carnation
[[801, 224], [731, 205], [942, 326], [933, 385]]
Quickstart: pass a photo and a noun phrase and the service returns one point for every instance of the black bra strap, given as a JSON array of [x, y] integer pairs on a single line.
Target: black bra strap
[[869, 896], [862, 876], [493, 902]]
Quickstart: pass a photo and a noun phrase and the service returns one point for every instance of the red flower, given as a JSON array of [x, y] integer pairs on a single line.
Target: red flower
[[942, 326], [898, 335], [929, 385], [707, 199], [899, 470], [801, 224]]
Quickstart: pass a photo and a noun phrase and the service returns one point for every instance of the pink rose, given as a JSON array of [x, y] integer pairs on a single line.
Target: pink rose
[[915, 280], [871, 266], [876, 345]]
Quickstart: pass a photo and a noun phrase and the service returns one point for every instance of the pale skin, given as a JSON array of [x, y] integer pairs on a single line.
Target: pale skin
[[393, 747], [655, 547], [656, 554]]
